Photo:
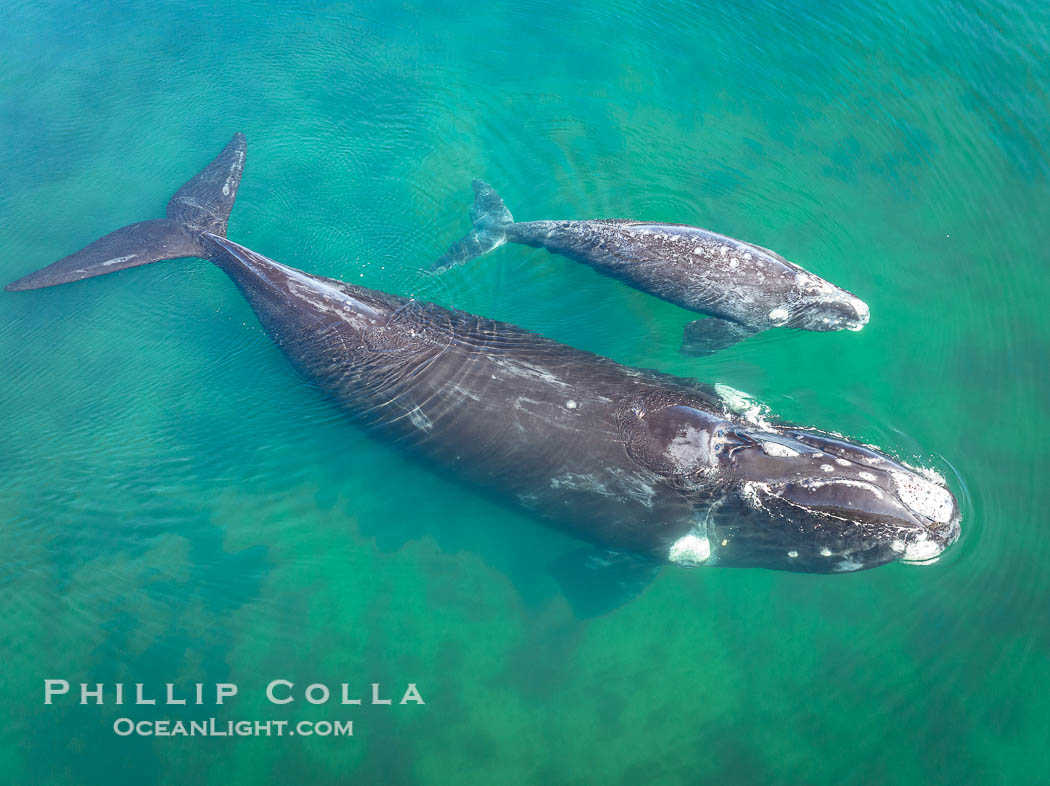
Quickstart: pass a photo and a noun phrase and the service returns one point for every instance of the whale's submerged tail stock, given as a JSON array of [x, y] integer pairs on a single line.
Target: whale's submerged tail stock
[[202, 205], [490, 218]]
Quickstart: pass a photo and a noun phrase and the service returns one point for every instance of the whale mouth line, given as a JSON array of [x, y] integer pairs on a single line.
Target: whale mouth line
[[777, 490], [928, 561]]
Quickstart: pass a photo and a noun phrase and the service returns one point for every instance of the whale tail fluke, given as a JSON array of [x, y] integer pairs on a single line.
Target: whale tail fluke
[[490, 218], [202, 205]]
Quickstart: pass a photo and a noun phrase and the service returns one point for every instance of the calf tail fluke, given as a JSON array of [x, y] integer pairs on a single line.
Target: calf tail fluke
[[202, 205], [490, 218]]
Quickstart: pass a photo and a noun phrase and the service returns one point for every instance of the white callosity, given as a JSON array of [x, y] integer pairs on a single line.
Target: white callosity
[[690, 550], [691, 449], [857, 484], [922, 550], [924, 497], [779, 315], [863, 312], [778, 450]]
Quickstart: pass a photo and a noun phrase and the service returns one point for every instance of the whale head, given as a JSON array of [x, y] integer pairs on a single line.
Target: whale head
[[816, 304], [793, 499], [811, 502]]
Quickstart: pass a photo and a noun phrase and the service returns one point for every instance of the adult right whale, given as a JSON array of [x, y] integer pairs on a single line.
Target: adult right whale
[[743, 288], [648, 468]]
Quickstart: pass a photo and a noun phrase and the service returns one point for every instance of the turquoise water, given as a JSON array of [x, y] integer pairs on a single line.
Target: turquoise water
[[177, 506]]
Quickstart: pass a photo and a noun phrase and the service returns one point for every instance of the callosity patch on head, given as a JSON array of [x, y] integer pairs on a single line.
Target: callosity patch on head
[[924, 497], [922, 551]]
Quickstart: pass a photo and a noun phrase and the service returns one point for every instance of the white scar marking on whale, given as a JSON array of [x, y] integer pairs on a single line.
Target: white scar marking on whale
[[233, 171], [740, 403], [634, 487], [325, 296], [579, 482], [520, 368], [460, 392], [118, 260], [419, 420], [621, 486]]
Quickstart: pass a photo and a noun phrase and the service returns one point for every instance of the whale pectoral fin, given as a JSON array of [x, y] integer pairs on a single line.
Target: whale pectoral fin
[[707, 336], [596, 581]]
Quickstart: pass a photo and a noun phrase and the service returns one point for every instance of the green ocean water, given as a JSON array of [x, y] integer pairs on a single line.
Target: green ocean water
[[177, 506]]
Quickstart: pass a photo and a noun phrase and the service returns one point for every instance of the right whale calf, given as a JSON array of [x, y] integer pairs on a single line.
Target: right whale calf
[[648, 468], [743, 288]]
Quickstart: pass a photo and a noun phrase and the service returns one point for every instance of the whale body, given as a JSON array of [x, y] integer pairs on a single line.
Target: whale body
[[647, 468], [743, 288]]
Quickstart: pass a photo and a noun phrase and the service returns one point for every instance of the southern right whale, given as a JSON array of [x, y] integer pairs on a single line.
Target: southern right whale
[[648, 468], [743, 288]]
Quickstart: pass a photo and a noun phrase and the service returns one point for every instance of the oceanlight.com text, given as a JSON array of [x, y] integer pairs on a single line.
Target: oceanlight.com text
[[212, 727]]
